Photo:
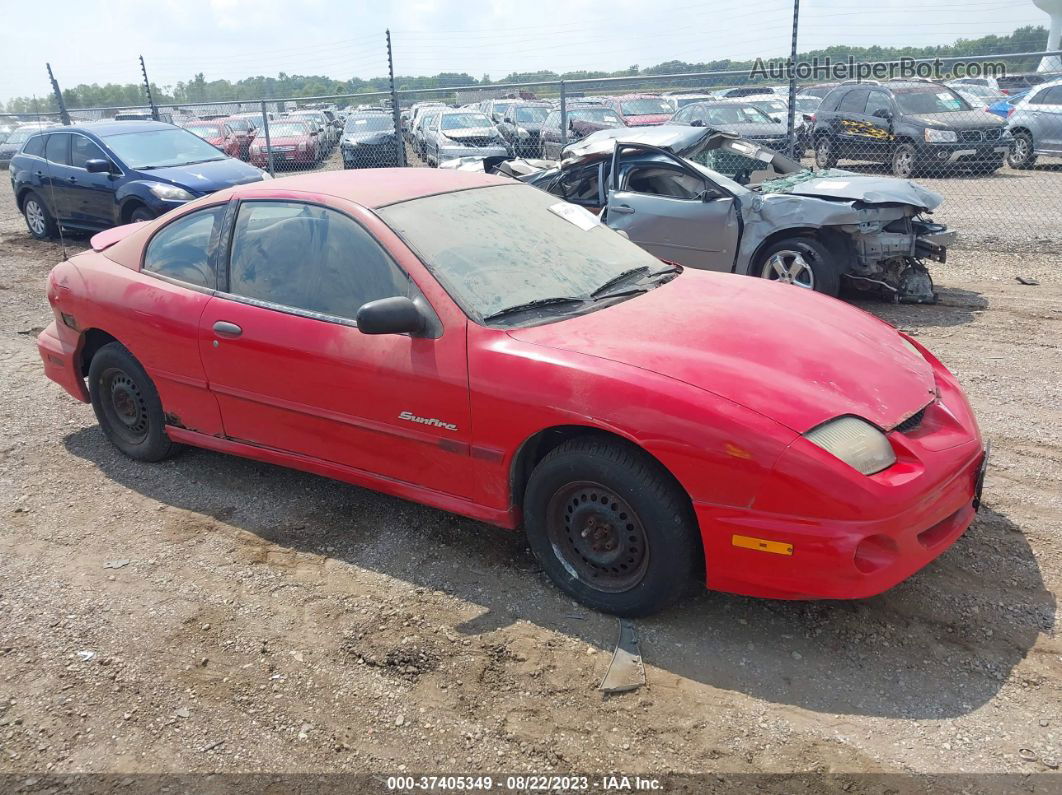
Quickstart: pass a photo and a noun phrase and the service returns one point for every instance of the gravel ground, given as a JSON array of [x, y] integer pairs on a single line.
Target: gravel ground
[[216, 614]]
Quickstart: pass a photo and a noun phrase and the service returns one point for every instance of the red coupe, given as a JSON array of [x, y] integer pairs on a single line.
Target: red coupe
[[218, 134], [477, 345]]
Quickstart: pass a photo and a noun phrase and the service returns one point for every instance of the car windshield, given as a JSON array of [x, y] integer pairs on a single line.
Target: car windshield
[[288, 129], [208, 130], [808, 104], [375, 122], [161, 148], [501, 108], [736, 114], [20, 136], [508, 245], [464, 121], [647, 106], [532, 115], [769, 106], [599, 115], [681, 102], [930, 99]]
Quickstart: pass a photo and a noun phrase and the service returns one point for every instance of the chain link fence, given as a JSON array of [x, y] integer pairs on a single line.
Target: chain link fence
[[989, 143]]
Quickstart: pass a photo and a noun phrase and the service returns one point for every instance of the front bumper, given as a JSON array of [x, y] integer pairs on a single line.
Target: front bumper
[[965, 154], [60, 361], [452, 152], [859, 535]]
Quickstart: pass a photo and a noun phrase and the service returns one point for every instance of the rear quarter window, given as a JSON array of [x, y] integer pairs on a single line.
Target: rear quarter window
[[34, 146]]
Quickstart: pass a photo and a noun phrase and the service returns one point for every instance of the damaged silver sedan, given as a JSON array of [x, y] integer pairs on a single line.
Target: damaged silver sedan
[[708, 199]]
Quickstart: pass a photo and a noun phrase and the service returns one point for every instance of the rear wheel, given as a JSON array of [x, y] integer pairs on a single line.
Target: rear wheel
[[127, 405], [610, 527], [1022, 154], [40, 222], [800, 261]]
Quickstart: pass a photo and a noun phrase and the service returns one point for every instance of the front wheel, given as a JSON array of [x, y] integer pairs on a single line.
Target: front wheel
[[802, 262], [127, 405], [141, 213], [825, 155], [39, 221], [1022, 154], [610, 527], [904, 161]]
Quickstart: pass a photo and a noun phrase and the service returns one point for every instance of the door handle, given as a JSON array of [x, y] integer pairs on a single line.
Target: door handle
[[72, 179], [621, 209], [40, 173], [225, 329]]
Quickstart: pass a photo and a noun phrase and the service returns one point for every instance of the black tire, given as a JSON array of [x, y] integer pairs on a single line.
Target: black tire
[[1022, 154], [39, 220], [141, 213], [825, 154], [807, 261], [645, 545], [127, 405], [904, 161]]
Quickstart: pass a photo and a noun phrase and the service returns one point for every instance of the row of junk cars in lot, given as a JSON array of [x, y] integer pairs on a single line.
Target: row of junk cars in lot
[[696, 179]]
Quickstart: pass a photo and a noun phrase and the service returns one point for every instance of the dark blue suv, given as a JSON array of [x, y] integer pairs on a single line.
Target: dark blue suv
[[100, 175]]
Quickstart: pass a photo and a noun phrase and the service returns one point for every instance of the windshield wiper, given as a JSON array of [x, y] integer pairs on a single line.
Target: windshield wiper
[[641, 270], [529, 305]]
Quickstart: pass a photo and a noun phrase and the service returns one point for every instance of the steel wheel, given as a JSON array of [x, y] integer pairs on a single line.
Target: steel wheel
[[597, 536], [125, 406], [789, 267], [35, 217]]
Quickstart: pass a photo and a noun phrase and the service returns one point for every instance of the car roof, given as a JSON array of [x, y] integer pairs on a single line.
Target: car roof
[[372, 187], [104, 128]]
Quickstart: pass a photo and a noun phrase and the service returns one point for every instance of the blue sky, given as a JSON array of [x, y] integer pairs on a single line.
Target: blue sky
[[100, 41]]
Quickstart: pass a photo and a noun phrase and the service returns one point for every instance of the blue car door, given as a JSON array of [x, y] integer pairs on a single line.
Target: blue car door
[[57, 176], [91, 195]]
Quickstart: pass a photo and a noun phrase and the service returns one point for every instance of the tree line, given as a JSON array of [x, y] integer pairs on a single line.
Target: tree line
[[199, 89]]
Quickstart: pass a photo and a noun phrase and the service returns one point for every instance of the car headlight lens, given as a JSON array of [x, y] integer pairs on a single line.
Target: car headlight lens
[[856, 442], [941, 136], [171, 192]]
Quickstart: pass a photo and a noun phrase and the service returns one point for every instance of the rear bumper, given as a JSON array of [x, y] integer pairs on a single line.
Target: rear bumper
[[840, 559], [60, 362]]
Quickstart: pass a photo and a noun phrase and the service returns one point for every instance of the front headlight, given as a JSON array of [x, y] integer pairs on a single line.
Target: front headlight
[[522, 132], [941, 136], [171, 192], [856, 442]]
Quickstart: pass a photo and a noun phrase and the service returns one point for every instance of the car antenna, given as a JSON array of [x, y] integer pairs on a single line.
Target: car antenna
[[51, 185]]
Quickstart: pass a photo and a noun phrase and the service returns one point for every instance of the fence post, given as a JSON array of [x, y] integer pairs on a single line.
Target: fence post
[[396, 112], [147, 89], [564, 116], [64, 117], [791, 116], [269, 146]]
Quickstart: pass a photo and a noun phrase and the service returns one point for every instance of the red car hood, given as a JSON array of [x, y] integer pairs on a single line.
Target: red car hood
[[645, 121], [795, 356]]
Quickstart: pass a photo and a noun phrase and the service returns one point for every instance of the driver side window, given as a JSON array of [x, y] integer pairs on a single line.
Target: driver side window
[[184, 249], [662, 181]]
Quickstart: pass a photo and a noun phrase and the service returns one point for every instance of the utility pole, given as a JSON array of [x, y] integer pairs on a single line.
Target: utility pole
[[564, 116], [791, 118], [64, 117], [396, 112], [147, 88]]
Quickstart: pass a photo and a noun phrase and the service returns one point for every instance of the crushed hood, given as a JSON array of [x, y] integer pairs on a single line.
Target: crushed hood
[[795, 356], [848, 186]]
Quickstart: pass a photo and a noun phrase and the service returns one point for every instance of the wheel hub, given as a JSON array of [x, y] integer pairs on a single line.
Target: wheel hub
[[789, 267], [598, 537], [126, 405]]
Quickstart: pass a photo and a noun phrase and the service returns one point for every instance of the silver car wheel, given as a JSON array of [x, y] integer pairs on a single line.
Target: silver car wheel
[[35, 217], [1021, 149], [789, 267]]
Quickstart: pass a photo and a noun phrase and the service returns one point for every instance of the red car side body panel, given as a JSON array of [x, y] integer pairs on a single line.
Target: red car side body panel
[[662, 370]]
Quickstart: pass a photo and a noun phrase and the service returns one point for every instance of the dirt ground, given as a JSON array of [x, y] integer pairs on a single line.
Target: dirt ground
[[215, 614]]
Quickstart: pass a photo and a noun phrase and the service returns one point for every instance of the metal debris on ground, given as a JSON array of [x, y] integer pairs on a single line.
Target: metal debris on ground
[[116, 564], [1027, 281], [625, 671]]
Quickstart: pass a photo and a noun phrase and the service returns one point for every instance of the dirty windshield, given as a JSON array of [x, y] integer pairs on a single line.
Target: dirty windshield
[[511, 245], [929, 99]]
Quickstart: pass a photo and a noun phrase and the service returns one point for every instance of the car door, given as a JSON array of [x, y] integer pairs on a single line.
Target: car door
[[551, 136], [91, 195], [851, 129], [1047, 135], [59, 181], [673, 212], [878, 115], [292, 372]]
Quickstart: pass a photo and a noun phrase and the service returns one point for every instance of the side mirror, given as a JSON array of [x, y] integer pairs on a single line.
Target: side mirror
[[776, 119], [98, 166], [397, 315], [697, 123], [508, 120], [707, 195], [883, 113]]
